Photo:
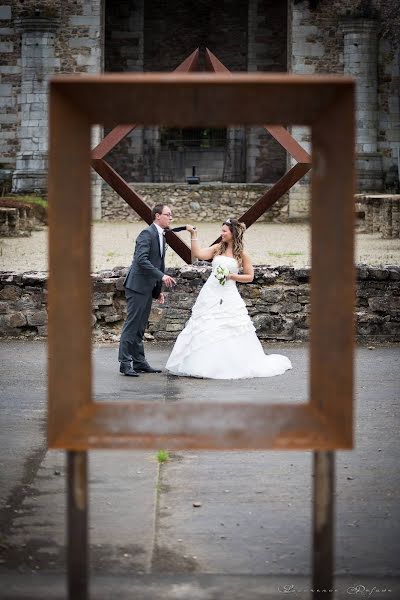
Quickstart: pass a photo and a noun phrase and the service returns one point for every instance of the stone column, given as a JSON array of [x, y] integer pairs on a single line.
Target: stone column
[[361, 61], [234, 163], [252, 134], [96, 181], [266, 52], [151, 154], [124, 51], [136, 64], [303, 55], [37, 64]]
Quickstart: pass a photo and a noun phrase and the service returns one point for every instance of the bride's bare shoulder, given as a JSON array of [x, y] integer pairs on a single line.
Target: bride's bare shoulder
[[246, 258]]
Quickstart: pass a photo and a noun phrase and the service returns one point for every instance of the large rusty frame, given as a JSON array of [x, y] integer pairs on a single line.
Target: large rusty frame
[[326, 104], [118, 183]]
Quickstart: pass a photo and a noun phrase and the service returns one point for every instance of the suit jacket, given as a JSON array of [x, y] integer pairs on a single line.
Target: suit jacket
[[148, 266]]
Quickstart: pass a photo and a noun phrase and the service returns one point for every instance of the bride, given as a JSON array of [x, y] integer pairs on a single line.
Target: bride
[[219, 340]]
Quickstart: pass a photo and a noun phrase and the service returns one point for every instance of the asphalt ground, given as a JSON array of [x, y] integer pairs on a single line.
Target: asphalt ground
[[251, 535]]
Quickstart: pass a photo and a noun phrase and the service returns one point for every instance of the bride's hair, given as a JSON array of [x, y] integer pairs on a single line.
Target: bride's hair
[[237, 230]]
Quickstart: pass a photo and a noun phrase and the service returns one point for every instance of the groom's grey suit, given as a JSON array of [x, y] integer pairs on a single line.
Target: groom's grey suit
[[142, 284]]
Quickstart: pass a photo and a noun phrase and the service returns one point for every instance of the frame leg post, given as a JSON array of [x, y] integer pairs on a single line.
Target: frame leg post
[[77, 525], [323, 525]]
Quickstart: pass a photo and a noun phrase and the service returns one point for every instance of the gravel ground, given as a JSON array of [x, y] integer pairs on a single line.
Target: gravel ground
[[271, 244]]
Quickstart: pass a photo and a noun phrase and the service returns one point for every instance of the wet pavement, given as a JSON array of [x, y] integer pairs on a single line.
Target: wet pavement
[[254, 518]]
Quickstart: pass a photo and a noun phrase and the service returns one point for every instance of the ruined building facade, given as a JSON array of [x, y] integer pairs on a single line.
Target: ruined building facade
[[39, 38]]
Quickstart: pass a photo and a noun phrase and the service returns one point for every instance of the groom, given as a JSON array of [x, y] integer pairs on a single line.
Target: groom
[[143, 283]]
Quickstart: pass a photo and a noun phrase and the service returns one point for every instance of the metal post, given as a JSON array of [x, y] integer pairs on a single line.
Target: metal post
[[77, 525], [323, 526]]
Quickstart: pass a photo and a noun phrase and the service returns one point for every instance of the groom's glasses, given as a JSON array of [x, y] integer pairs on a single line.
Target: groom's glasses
[[170, 215]]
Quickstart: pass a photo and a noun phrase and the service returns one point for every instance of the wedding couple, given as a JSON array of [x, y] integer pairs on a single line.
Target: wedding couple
[[219, 340]]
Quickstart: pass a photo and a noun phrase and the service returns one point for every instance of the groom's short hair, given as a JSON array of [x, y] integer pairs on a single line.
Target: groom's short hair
[[157, 209]]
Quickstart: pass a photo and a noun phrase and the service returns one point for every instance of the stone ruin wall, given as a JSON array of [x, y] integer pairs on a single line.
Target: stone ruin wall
[[315, 45], [278, 301], [77, 49], [196, 203]]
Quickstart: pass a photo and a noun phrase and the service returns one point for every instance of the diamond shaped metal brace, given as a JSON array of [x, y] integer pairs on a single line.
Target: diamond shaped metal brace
[[118, 183]]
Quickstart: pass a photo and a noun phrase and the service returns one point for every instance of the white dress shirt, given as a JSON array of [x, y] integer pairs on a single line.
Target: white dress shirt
[[160, 237]]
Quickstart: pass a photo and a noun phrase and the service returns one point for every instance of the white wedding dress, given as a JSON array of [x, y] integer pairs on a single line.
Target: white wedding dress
[[219, 340]]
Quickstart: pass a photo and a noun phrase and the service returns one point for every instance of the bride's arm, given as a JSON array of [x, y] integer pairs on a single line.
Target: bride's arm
[[248, 271], [197, 252]]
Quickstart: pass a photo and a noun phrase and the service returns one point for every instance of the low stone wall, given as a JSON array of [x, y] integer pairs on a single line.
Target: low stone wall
[[382, 214], [16, 221], [207, 202], [277, 300]]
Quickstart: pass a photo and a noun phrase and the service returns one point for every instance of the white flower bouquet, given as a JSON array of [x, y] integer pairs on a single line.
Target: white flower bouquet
[[221, 273]]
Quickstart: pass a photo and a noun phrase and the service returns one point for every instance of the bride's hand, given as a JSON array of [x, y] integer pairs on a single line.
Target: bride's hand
[[190, 228]]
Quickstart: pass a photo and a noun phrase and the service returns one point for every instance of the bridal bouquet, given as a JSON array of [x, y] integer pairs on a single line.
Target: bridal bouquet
[[221, 273]]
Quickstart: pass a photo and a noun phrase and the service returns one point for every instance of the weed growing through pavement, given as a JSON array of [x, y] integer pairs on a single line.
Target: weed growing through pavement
[[162, 456]]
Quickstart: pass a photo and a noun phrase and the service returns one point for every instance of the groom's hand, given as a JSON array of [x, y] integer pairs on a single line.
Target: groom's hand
[[169, 281], [161, 299]]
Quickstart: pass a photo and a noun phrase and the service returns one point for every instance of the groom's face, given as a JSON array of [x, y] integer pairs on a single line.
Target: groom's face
[[165, 218]]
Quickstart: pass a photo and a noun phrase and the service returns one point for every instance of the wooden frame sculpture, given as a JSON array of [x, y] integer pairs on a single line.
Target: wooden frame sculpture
[[326, 104]]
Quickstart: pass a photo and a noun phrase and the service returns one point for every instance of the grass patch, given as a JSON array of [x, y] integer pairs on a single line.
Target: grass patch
[[28, 199], [283, 254], [38, 204], [38, 200], [162, 456]]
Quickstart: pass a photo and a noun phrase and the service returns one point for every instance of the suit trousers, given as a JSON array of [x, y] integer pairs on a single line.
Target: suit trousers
[[131, 348]]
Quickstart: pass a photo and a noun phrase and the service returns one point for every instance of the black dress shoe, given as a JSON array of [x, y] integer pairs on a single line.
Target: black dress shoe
[[128, 371], [147, 369]]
